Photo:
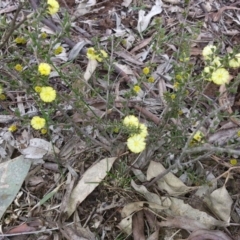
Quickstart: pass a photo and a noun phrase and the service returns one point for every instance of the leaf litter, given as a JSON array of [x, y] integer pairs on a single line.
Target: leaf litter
[[89, 196]]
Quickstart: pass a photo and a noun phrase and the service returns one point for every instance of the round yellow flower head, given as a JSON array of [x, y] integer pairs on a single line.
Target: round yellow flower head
[[208, 51], [216, 62], [53, 6], [48, 94], [43, 131], [18, 67], [146, 71], [136, 143], [151, 79], [38, 89], [235, 62], [44, 35], [58, 50], [198, 136], [130, 120], [2, 96], [173, 96], [136, 89], [176, 85], [104, 54], [220, 76], [91, 53], [38, 122], [44, 69], [20, 40], [12, 128], [207, 69], [233, 161], [143, 130]]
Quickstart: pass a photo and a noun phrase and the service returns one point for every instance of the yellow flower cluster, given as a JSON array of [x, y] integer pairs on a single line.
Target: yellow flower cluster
[[94, 55], [214, 72], [18, 67], [233, 161], [38, 122], [2, 97], [151, 79], [136, 89], [48, 94], [136, 142], [44, 69], [12, 128], [209, 51], [20, 40], [58, 50], [235, 62], [53, 6], [197, 138]]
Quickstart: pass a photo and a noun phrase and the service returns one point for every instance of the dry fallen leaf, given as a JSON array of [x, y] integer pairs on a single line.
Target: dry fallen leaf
[[143, 21], [221, 203], [170, 183], [38, 148], [90, 180], [211, 235]]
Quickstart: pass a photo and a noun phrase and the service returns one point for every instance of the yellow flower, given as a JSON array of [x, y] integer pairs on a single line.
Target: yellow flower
[[184, 57], [58, 50], [44, 69], [151, 79], [43, 131], [38, 122], [38, 89], [198, 136], [136, 89], [18, 67], [104, 54], [91, 53], [233, 63], [43, 35], [233, 161], [176, 85], [53, 6], [12, 128], [238, 133], [2, 96], [173, 96], [146, 71], [220, 76], [130, 120], [180, 112], [48, 94], [136, 143], [207, 69], [20, 40], [216, 62], [207, 73], [143, 130], [179, 77], [208, 51]]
